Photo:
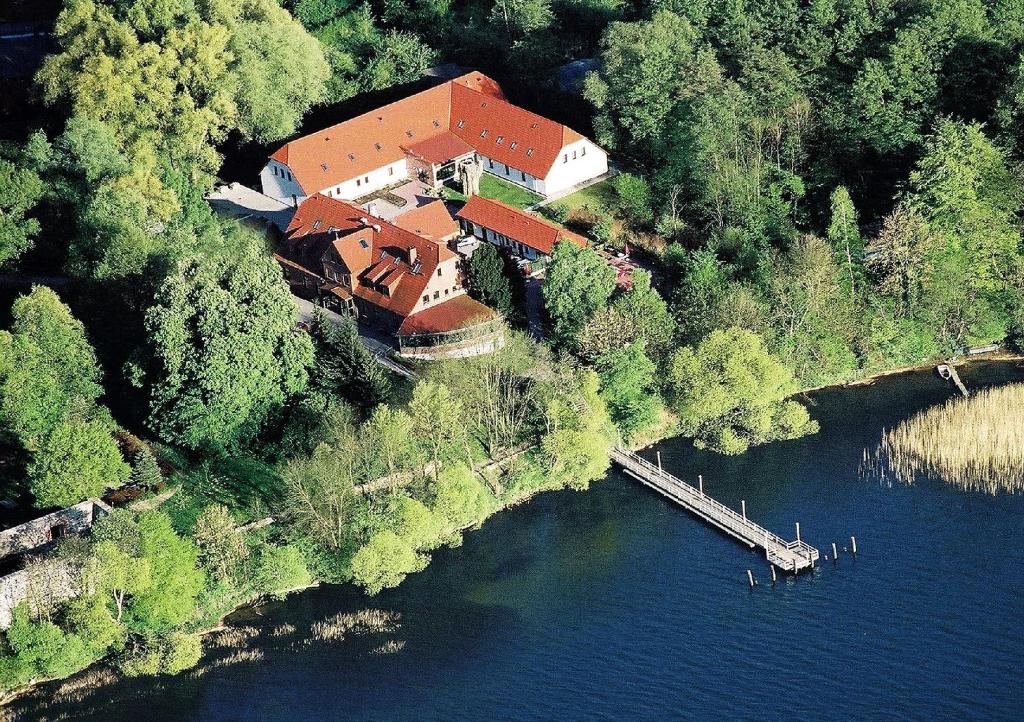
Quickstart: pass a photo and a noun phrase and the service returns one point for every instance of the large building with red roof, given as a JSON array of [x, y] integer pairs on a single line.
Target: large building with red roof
[[526, 235], [386, 276], [427, 136]]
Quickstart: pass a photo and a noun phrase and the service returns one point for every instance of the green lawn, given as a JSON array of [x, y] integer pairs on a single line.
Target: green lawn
[[600, 195], [500, 190]]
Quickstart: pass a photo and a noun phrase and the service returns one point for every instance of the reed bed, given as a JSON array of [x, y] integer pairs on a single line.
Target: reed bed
[[234, 637], [976, 443], [78, 687], [392, 646], [283, 630], [245, 655], [365, 621]]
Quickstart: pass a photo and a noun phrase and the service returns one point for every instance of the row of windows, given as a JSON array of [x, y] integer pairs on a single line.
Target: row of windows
[[437, 294], [508, 170], [283, 172], [583, 152]]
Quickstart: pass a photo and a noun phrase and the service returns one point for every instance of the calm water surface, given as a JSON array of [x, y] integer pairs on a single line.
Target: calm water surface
[[614, 604]]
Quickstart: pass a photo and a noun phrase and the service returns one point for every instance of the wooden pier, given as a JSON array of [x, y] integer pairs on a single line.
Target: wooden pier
[[790, 556]]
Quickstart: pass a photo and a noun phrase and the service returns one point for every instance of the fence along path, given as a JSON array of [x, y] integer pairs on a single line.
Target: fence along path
[[791, 556]]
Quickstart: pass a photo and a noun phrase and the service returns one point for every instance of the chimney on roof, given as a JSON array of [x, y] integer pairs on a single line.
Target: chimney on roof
[[412, 255], [376, 228], [364, 221]]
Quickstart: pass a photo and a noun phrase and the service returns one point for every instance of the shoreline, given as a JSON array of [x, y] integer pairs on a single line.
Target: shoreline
[[996, 356], [222, 623]]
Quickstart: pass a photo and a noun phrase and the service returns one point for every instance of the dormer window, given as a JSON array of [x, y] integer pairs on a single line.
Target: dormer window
[[529, 151], [408, 133], [324, 166], [500, 139], [513, 145], [351, 156], [437, 123], [316, 224], [483, 133], [377, 146], [462, 124]]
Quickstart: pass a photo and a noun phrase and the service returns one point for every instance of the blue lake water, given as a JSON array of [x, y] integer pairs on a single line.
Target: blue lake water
[[614, 604]]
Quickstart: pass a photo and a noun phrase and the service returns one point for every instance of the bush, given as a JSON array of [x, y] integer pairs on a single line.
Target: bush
[[634, 198], [385, 561], [281, 569], [461, 499], [180, 651]]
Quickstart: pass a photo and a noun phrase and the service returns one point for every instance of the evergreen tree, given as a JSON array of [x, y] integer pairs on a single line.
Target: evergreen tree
[[486, 280]]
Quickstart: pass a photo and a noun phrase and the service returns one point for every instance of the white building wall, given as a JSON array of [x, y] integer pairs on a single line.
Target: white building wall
[[368, 182], [578, 162], [511, 174], [446, 285], [278, 182]]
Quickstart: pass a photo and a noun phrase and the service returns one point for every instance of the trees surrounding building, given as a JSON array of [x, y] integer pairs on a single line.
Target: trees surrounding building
[[222, 349]]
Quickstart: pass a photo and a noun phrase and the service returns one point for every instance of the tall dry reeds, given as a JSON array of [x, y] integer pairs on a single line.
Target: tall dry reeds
[[365, 621], [976, 443]]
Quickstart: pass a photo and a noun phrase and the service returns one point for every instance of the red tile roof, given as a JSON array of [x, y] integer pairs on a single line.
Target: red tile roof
[[440, 122], [431, 221], [507, 133], [451, 315], [377, 254], [440, 148], [517, 225]]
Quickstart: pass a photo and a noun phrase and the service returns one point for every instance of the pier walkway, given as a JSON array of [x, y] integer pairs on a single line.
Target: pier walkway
[[790, 556]]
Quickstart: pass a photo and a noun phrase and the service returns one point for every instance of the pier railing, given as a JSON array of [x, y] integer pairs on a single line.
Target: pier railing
[[787, 555]]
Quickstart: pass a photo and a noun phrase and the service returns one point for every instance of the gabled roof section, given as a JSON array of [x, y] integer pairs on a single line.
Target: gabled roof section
[[439, 124], [507, 133], [431, 221], [390, 266], [517, 225], [440, 148], [367, 142]]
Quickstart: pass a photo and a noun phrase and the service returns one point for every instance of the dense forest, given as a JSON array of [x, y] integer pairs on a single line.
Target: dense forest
[[818, 190]]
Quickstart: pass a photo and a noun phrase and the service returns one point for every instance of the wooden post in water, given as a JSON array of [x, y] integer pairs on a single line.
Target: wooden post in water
[[773, 574], [853, 544], [798, 531], [700, 481], [835, 554], [743, 506], [659, 460], [750, 578]]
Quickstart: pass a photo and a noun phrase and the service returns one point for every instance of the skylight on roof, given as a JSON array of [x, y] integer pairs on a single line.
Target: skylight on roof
[[351, 156], [316, 224], [483, 133], [362, 243], [462, 124], [483, 104], [408, 133], [533, 125], [512, 145], [500, 139], [324, 166], [377, 146], [529, 151], [437, 123]]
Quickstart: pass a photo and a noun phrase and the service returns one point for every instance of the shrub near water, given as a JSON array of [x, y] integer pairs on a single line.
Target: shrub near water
[[976, 443]]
